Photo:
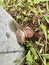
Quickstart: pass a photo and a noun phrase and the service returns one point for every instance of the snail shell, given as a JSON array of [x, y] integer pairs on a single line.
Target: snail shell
[[28, 32]]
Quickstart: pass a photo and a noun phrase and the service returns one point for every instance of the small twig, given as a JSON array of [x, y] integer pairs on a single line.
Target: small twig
[[39, 56], [44, 54], [22, 60], [40, 39], [46, 46], [41, 49]]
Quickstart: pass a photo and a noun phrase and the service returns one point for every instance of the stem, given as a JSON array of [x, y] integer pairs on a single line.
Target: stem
[[47, 6], [39, 56], [22, 60]]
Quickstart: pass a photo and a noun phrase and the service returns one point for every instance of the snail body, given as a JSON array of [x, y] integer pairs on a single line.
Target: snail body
[[20, 36]]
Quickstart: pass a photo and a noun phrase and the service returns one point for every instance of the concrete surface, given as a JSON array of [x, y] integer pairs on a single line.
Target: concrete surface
[[10, 49]]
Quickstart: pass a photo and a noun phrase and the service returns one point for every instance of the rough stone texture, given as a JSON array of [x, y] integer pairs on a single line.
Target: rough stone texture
[[8, 40], [8, 59]]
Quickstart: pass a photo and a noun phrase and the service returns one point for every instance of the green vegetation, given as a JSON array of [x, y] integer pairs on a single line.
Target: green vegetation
[[34, 13]]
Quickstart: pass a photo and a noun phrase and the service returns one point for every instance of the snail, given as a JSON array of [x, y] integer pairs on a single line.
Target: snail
[[27, 32], [24, 33]]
